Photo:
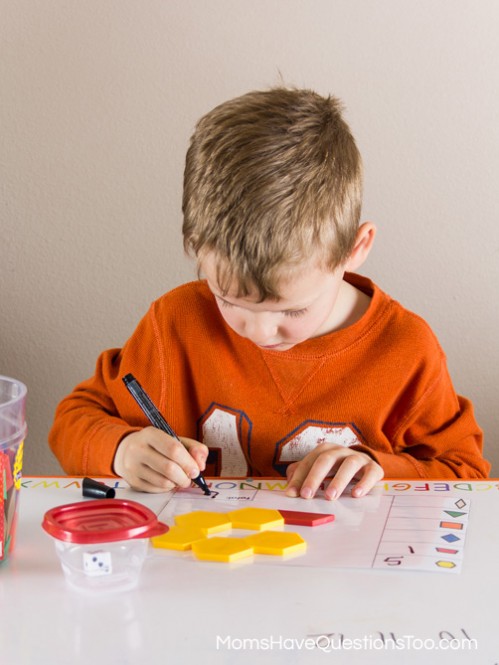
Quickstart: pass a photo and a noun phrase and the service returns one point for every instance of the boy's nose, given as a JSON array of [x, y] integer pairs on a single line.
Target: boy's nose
[[261, 330]]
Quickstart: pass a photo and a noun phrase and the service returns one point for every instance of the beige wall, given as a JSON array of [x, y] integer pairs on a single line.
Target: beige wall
[[99, 98]]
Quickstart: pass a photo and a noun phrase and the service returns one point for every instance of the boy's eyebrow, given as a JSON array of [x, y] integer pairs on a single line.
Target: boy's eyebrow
[[285, 309]]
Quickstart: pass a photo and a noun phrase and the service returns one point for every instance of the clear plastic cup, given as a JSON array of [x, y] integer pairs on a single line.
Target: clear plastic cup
[[103, 567], [102, 543], [12, 434]]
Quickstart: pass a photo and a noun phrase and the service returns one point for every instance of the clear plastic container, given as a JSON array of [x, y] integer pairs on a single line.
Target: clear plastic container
[[102, 544], [104, 567], [12, 435]]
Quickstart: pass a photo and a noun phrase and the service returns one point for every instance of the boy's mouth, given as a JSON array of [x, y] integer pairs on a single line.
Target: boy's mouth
[[279, 345]]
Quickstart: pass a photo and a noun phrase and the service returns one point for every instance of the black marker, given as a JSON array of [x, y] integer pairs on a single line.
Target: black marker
[[156, 419]]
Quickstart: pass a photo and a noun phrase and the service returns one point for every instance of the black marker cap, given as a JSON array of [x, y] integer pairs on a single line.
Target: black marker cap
[[93, 489]]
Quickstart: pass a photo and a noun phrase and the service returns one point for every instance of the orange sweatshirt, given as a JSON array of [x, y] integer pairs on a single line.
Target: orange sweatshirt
[[380, 385]]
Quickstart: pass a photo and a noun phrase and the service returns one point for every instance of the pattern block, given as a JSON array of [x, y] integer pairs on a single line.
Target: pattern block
[[222, 549], [300, 518], [194, 531], [178, 538], [256, 519], [277, 543], [208, 522]]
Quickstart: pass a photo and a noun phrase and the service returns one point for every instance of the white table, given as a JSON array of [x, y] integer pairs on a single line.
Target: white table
[[215, 613]]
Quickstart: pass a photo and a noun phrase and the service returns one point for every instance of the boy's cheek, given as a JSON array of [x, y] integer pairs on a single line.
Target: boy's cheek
[[229, 320]]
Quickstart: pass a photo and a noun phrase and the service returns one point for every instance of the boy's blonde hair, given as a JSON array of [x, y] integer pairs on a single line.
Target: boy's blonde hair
[[271, 179]]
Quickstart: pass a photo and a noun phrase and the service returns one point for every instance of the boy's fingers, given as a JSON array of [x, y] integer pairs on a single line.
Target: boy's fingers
[[307, 476], [173, 451], [149, 480], [348, 468], [299, 473], [154, 467], [198, 451], [311, 471], [152, 461], [321, 467], [291, 489], [372, 475]]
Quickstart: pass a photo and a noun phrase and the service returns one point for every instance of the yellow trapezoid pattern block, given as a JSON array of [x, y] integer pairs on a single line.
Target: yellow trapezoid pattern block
[[256, 519]]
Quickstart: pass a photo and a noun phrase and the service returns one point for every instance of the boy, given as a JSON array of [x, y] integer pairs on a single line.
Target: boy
[[281, 361]]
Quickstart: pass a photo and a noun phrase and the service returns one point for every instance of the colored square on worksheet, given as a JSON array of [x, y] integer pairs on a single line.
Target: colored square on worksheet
[[300, 518], [256, 519], [451, 525]]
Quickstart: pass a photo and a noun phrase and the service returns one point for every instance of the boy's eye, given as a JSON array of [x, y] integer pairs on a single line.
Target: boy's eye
[[295, 312], [287, 312]]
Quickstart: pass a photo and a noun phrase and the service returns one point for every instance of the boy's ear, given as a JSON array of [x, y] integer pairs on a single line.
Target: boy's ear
[[362, 247]]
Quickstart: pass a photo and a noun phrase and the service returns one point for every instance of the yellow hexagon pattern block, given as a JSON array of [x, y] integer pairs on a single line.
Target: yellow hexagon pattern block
[[207, 521], [256, 519], [178, 538], [277, 542], [222, 549]]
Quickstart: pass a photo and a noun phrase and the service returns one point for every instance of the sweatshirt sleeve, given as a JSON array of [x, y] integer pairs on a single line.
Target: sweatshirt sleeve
[[92, 420], [438, 437]]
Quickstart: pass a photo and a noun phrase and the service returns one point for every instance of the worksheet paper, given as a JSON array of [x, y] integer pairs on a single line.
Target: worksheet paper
[[394, 532]]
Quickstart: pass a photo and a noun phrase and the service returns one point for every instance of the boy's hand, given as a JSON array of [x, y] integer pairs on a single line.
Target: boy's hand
[[305, 477], [152, 461]]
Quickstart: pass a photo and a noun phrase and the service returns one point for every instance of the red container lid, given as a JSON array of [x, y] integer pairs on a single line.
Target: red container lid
[[102, 521]]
